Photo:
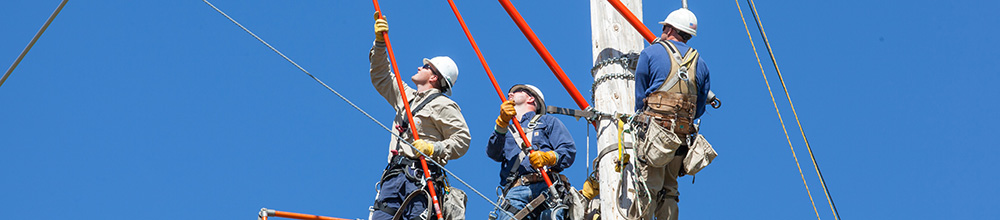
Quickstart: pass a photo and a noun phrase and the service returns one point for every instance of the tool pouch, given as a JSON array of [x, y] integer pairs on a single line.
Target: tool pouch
[[577, 204], [659, 145], [454, 204], [699, 156]]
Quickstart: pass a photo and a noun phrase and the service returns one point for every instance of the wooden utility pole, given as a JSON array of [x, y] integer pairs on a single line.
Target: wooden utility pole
[[614, 92]]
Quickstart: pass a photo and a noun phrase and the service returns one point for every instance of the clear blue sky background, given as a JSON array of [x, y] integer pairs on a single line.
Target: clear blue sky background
[[166, 110]]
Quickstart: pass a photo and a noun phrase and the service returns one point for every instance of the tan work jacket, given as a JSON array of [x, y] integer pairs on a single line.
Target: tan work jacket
[[440, 122]]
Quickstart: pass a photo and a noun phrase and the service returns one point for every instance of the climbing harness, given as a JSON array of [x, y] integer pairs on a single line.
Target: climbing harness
[[515, 180], [673, 103], [402, 166]]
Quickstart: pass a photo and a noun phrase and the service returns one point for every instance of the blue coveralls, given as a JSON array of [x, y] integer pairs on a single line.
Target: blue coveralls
[[548, 135]]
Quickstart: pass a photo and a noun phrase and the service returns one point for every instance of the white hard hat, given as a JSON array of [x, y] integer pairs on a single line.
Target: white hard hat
[[534, 92], [447, 68], [682, 19]]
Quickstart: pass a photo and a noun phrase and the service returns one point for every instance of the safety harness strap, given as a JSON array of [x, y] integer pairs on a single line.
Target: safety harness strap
[[409, 198], [535, 203], [429, 98], [398, 166], [676, 63], [512, 176], [527, 130]]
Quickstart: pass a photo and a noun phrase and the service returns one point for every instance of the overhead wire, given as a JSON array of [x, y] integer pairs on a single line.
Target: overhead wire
[[819, 174], [780, 119], [403, 140], [32, 42]]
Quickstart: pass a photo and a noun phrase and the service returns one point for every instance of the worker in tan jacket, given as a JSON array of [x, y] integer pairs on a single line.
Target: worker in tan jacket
[[443, 132]]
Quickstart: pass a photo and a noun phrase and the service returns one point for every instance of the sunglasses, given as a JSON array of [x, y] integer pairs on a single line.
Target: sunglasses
[[428, 66]]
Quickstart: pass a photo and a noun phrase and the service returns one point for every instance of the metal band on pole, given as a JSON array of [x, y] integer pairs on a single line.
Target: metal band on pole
[[33, 40]]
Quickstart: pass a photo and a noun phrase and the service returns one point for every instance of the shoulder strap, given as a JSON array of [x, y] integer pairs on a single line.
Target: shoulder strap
[[677, 63], [527, 131], [517, 137], [427, 100], [424, 103]]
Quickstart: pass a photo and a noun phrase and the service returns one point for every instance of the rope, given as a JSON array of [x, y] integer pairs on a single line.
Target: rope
[[780, 119], [819, 174], [353, 105], [33, 40]]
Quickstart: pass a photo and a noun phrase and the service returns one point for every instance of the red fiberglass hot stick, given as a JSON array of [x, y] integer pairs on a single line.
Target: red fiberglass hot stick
[[409, 116], [546, 56], [264, 213], [496, 86], [648, 35]]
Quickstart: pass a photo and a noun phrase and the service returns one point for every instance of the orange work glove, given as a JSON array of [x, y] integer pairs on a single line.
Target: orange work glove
[[507, 112], [541, 159]]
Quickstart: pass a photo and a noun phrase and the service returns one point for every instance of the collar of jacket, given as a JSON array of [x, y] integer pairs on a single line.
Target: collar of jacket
[[526, 117], [422, 95]]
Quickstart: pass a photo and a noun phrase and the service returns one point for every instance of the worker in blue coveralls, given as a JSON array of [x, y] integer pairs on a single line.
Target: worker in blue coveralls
[[519, 178], [671, 88]]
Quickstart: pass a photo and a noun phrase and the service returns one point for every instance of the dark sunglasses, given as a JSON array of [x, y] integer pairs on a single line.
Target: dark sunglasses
[[428, 66]]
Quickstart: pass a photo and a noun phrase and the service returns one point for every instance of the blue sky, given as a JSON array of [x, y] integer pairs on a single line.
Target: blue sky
[[165, 109]]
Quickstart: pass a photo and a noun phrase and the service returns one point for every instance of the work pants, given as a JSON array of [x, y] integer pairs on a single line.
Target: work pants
[[519, 196], [662, 181], [394, 190]]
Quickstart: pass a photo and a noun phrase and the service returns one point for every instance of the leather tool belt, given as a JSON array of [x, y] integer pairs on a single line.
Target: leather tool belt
[[673, 111], [680, 126], [528, 179]]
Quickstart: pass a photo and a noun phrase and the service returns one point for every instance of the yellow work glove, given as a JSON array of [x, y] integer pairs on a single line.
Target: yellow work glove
[[381, 26], [541, 159], [424, 147], [507, 112], [590, 188]]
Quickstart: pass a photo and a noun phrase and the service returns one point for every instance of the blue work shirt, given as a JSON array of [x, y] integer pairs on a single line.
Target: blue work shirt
[[653, 69], [549, 135]]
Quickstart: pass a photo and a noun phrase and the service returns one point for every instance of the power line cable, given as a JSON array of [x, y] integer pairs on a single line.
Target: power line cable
[[780, 119], [829, 198], [33, 40], [819, 174]]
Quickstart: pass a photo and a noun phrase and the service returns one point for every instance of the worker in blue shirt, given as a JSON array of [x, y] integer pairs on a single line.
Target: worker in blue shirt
[[671, 88], [519, 178]]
